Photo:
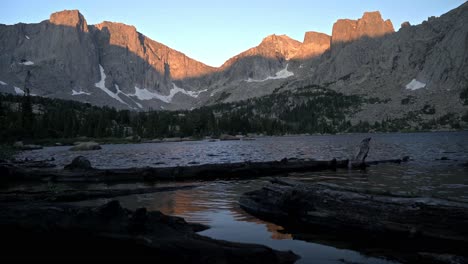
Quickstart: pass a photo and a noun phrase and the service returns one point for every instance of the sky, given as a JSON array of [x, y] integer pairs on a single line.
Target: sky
[[212, 31]]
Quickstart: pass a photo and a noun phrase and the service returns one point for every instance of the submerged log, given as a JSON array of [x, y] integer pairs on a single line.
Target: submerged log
[[354, 210], [12, 172], [81, 195], [110, 232]]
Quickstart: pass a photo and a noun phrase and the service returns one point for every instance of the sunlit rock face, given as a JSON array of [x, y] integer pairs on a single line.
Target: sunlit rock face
[[370, 25], [69, 18], [314, 44]]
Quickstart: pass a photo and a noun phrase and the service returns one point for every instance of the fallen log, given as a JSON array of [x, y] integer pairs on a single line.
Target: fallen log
[[13, 172], [81, 195], [346, 208], [63, 232], [375, 223]]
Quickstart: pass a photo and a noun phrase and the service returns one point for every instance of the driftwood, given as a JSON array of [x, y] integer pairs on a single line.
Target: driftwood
[[80, 195], [13, 172], [109, 232], [360, 160], [346, 208], [362, 219]]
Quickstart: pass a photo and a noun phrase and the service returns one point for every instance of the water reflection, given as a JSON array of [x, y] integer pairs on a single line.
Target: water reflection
[[215, 204]]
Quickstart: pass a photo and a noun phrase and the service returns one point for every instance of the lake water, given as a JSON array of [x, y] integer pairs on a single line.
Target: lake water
[[215, 203]]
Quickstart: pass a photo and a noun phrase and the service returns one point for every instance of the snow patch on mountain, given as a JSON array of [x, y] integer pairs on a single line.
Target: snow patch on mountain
[[282, 74], [3, 83], [145, 94], [19, 91], [80, 92], [102, 85], [27, 63], [415, 85]]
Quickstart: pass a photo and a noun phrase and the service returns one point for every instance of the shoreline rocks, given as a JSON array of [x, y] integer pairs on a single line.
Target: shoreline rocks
[[84, 146], [21, 146], [65, 232]]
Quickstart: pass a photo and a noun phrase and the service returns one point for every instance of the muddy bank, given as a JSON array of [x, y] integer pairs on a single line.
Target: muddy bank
[[44, 231]]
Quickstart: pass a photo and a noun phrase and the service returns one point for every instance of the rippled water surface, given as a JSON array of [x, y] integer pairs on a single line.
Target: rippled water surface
[[215, 203]]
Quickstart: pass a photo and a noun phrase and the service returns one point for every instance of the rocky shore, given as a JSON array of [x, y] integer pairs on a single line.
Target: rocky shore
[[55, 231]]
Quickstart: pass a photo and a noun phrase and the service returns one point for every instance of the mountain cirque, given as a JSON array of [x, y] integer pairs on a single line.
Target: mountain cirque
[[113, 64]]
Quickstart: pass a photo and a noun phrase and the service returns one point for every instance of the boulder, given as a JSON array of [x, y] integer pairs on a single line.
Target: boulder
[[86, 146], [20, 145], [79, 163], [228, 137]]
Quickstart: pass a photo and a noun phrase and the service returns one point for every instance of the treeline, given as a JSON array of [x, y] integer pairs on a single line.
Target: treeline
[[310, 109]]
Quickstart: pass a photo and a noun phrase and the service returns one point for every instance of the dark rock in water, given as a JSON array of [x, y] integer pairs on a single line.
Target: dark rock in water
[[79, 163], [46, 231], [228, 137], [81, 146]]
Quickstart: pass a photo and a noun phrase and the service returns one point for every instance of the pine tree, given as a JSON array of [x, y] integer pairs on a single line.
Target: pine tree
[[27, 117]]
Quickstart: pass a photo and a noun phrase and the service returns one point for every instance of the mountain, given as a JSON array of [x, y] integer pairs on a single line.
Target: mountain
[[398, 73]]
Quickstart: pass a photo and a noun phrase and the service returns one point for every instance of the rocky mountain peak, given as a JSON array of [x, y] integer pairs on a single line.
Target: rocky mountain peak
[[70, 18], [315, 43], [122, 35], [278, 45], [370, 25], [312, 37]]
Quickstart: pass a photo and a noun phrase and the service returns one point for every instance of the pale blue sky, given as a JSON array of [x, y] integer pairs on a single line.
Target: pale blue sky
[[212, 31]]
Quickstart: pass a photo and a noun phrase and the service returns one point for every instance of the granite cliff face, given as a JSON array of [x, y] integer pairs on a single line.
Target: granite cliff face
[[314, 44], [114, 64], [105, 64], [371, 25]]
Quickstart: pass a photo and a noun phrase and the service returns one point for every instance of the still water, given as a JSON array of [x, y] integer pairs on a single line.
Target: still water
[[435, 170]]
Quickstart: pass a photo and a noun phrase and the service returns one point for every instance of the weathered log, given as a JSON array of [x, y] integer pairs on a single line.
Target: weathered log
[[203, 172], [110, 232], [27, 163], [348, 209], [12, 172], [360, 160], [377, 224], [81, 195]]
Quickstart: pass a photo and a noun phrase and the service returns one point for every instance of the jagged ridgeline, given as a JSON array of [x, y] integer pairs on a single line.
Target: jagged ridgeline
[[310, 109], [415, 74]]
